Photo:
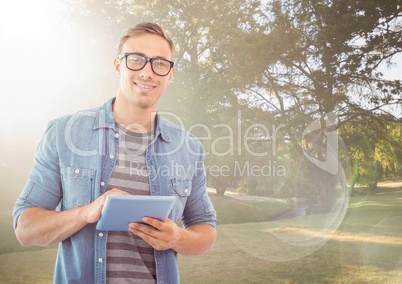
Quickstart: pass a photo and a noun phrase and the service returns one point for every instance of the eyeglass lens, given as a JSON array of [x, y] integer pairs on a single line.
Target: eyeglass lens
[[159, 66]]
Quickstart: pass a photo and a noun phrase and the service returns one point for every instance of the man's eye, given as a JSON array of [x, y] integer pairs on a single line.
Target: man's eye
[[161, 63], [136, 59]]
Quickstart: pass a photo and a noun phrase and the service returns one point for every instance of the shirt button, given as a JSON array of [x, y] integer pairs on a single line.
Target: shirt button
[[186, 190], [102, 183], [117, 135], [111, 156], [100, 259], [101, 235], [77, 171]]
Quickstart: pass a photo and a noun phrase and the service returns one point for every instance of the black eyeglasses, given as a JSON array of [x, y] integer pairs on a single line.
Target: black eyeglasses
[[136, 62]]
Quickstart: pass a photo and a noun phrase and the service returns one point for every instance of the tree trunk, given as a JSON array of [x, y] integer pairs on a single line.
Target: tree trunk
[[326, 185]]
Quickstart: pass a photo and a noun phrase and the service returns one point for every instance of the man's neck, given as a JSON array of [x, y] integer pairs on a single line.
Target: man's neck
[[134, 119]]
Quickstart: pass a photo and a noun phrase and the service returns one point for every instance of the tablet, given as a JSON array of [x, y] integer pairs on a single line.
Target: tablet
[[120, 210]]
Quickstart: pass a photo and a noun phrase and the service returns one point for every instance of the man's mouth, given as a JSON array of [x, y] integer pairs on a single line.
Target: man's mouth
[[145, 87]]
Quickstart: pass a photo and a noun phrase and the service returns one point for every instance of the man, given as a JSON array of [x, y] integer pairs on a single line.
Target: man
[[123, 147]]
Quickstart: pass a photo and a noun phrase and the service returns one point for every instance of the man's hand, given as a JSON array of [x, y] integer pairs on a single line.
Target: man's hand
[[92, 211], [195, 240], [160, 235]]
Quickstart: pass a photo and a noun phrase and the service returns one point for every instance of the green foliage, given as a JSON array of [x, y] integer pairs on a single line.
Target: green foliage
[[377, 143]]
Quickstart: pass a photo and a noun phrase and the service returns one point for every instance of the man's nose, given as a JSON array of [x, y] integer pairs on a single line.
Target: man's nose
[[147, 71]]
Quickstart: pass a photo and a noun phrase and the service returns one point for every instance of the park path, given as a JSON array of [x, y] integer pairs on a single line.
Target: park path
[[390, 184]]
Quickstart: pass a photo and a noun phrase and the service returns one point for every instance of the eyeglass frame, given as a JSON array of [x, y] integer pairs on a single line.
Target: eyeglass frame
[[147, 59]]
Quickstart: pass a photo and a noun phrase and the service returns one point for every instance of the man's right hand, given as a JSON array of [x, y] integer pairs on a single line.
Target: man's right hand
[[92, 211]]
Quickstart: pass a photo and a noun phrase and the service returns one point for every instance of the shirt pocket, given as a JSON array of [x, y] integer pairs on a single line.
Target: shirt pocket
[[78, 186], [181, 187]]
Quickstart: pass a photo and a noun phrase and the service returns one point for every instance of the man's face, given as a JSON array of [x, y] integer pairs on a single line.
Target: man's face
[[143, 88]]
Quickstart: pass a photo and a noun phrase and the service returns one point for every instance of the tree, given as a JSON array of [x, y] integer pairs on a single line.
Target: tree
[[308, 59]]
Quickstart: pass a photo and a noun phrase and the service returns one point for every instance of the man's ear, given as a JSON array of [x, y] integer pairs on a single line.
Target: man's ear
[[117, 66]]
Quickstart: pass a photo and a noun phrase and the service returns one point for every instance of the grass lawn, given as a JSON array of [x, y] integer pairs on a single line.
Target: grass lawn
[[28, 266], [365, 248]]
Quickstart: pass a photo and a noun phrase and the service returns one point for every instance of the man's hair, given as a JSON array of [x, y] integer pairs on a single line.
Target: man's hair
[[146, 28]]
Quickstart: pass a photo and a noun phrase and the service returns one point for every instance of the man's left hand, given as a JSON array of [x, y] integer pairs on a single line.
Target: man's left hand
[[160, 235]]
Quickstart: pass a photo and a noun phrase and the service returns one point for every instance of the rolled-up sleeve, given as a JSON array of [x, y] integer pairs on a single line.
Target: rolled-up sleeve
[[199, 208], [43, 188]]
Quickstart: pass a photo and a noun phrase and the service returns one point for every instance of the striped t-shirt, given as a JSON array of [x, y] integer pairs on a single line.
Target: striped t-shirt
[[129, 258]]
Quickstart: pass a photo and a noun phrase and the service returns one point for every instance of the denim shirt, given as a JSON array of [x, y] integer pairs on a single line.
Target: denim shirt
[[72, 166]]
